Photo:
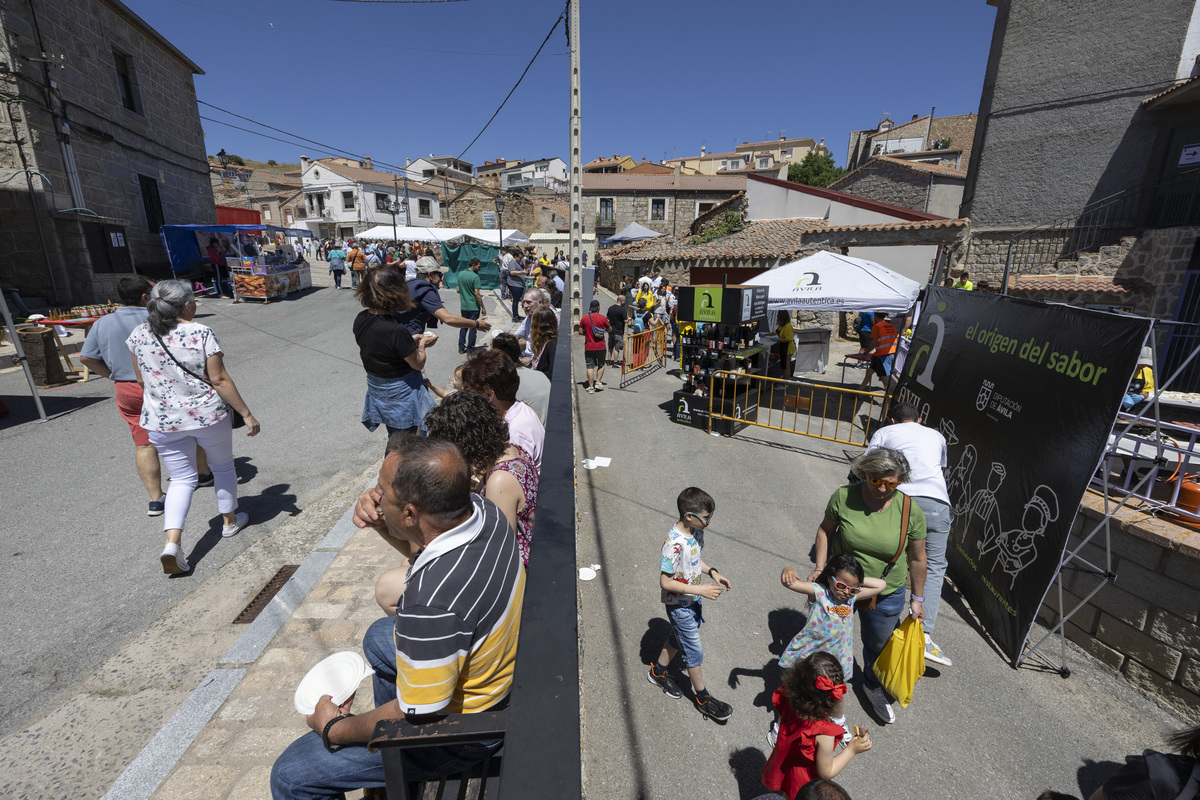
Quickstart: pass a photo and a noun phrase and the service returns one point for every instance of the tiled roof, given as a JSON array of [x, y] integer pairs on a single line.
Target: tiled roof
[[607, 162], [778, 142], [772, 239], [649, 168], [1164, 94], [359, 174], [1102, 284], [705, 157], [623, 181], [916, 225]]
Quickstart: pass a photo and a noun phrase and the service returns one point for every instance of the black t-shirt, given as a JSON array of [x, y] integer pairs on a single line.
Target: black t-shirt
[[616, 318], [383, 344]]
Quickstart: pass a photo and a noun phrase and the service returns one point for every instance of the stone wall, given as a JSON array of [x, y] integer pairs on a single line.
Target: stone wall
[[960, 130], [888, 183], [160, 139], [680, 210], [1144, 625], [520, 213]]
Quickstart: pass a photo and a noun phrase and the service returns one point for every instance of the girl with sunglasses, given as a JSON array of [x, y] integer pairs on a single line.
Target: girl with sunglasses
[[867, 521], [830, 624]]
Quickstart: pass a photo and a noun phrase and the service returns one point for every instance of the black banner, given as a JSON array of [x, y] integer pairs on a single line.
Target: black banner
[[1025, 394]]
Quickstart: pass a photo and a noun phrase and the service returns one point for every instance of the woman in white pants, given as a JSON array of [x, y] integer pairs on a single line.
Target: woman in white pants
[[187, 400]]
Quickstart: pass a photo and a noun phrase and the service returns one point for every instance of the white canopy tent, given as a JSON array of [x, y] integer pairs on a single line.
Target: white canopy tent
[[445, 235], [827, 281], [633, 232]]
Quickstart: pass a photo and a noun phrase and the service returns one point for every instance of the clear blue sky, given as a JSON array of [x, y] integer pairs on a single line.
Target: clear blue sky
[[660, 77]]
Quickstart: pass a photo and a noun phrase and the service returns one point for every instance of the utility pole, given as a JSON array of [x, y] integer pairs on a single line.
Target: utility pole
[[576, 188]]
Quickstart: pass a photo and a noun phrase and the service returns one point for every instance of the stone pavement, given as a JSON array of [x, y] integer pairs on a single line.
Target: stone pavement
[[233, 754]]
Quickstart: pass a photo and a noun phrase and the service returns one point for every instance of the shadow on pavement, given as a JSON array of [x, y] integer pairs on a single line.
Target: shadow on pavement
[[269, 503], [784, 624], [747, 766], [22, 409], [246, 471]]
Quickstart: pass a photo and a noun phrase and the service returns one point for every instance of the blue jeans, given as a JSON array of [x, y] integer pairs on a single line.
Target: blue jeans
[[685, 632], [877, 626], [938, 517], [307, 771], [337, 277], [516, 292], [466, 342]]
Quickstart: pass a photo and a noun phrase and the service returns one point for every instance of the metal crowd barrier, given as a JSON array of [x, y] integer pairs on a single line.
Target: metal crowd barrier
[[794, 405]]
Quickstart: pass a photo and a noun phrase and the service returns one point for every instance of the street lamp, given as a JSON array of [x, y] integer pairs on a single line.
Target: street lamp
[[223, 157], [500, 218], [395, 208]]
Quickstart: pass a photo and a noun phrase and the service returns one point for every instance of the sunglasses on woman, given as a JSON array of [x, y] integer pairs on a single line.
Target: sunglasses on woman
[[882, 482], [845, 587]]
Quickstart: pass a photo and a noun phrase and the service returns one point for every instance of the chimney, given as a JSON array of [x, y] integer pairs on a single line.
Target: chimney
[[702, 152], [677, 169], [915, 117], [362, 165], [368, 163], [303, 162], [782, 138], [407, 161]]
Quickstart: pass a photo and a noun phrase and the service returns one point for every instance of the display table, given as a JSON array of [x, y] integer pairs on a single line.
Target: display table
[[692, 409], [263, 283]]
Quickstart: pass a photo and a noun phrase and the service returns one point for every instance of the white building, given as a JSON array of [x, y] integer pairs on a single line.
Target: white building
[[548, 172], [345, 197]]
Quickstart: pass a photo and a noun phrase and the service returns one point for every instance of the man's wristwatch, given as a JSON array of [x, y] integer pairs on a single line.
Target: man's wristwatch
[[330, 746]]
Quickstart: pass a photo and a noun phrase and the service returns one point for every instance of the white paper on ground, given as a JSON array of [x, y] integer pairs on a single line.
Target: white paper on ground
[[598, 461]]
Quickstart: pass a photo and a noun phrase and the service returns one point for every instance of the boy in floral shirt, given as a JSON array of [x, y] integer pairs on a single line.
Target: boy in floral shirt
[[680, 579]]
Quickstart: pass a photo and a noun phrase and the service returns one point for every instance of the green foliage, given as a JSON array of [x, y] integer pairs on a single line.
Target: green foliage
[[731, 223], [238, 160], [815, 170], [271, 162]]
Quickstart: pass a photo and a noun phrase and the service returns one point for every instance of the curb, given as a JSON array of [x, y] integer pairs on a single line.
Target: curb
[[162, 753]]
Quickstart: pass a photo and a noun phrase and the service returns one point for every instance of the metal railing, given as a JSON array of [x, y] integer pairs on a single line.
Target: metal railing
[[1164, 203], [1139, 454], [644, 349], [793, 405]]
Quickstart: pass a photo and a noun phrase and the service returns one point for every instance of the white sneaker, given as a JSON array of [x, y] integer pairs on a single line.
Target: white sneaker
[[773, 735], [173, 560], [239, 521], [934, 653]]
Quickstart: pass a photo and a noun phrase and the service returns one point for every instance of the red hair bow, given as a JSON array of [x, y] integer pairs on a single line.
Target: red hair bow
[[838, 690]]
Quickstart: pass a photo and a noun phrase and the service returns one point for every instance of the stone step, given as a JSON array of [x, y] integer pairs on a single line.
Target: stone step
[[1111, 251]]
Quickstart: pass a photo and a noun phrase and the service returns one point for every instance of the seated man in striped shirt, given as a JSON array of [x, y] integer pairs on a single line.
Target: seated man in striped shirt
[[452, 644]]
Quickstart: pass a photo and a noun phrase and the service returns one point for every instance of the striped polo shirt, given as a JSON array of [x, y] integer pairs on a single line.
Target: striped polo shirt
[[458, 619]]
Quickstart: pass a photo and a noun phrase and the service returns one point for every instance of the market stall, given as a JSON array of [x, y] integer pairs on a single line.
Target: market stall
[[720, 328], [262, 261]]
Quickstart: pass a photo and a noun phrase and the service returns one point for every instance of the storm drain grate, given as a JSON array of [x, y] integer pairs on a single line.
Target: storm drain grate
[[250, 612]]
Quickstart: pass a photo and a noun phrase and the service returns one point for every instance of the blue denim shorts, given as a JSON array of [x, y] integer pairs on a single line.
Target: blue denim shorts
[[685, 632]]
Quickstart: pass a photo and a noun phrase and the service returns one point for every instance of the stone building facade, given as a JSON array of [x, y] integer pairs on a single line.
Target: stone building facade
[[278, 199], [947, 141], [528, 213], [116, 139], [931, 188], [664, 203]]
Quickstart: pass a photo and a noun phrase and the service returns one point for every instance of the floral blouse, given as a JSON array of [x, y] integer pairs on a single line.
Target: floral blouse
[[526, 473], [172, 399]]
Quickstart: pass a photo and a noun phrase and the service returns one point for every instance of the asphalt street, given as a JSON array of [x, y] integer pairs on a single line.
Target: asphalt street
[[976, 729], [79, 574]]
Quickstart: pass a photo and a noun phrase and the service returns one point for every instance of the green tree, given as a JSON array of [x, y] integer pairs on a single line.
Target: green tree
[[238, 160], [271, 162], [815, 170]]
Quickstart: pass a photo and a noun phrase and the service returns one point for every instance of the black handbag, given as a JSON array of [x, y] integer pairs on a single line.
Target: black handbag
[[238, 420]]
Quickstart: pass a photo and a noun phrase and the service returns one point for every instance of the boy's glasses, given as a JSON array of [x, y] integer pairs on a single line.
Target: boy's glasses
[[701, 517], [882, 482], [845, 587]]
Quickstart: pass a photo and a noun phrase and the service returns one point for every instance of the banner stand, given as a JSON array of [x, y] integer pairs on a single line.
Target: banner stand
[[1106, 573]]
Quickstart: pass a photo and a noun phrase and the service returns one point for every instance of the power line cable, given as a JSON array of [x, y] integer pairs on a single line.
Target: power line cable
[[561, 18], [355, 40]]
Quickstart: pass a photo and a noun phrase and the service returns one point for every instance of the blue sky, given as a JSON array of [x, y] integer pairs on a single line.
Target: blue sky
[[660, 77]]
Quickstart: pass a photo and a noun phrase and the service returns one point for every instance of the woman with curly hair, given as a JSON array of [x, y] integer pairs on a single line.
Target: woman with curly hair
[[503, 473], [543, 337], [812, 692], [392, 357]]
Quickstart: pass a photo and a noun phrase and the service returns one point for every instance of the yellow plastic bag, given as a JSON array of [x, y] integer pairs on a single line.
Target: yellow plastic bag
[[902, 661]]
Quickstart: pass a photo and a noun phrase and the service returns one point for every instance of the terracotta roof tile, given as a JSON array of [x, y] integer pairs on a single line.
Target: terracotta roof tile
[[1107, 284], [916, 225], [903, 163], [1175, 88], [602, 182], [649, 168], [771, 239]]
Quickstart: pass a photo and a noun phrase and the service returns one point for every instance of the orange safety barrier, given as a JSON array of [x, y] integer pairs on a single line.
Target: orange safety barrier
[[645, 349]]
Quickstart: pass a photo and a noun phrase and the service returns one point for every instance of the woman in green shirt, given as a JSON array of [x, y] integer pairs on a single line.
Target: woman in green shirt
[[864, 519]]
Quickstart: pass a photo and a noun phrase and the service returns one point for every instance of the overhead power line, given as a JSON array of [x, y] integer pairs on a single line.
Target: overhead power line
[[561, 18]]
